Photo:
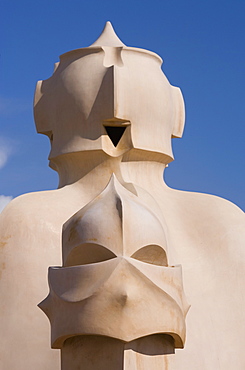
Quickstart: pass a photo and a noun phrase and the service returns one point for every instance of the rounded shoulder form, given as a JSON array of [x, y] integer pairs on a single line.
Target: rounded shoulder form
[[27, 212], [207, 219], [207, 205], [25, 204]]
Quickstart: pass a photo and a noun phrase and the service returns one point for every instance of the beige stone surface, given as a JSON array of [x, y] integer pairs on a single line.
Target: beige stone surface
[[101, 86], [204, 234], [98, 352], [116, 274]]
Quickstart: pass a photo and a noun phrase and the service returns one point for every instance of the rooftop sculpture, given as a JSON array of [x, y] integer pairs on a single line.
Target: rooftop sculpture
[[141, 276]]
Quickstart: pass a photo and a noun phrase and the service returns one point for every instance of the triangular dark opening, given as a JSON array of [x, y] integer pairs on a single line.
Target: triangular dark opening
[[115, 133]]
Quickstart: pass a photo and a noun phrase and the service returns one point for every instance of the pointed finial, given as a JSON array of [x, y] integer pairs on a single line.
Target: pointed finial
[[108, 37]]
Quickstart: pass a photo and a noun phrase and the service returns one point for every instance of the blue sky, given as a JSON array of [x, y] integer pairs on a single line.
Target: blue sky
[[203, 47]]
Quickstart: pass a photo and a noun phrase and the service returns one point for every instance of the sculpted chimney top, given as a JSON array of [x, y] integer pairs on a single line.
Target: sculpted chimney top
[[112, 99], [108, 37]]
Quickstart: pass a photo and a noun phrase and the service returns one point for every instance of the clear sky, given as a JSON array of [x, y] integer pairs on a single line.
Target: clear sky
[[203, 47]]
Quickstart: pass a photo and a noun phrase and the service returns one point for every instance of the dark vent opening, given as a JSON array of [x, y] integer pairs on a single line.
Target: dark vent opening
[[115, 133]]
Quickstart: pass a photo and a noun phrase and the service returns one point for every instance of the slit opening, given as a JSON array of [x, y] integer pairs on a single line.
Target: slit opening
[[115, 133]]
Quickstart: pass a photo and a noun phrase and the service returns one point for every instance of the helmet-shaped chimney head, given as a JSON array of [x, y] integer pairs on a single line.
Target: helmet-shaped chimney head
[[109, 97]]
